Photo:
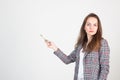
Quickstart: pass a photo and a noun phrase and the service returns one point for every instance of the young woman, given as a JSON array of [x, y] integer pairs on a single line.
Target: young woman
[[91, 53]]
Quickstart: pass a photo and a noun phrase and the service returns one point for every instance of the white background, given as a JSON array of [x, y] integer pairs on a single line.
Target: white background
[[25, 56]]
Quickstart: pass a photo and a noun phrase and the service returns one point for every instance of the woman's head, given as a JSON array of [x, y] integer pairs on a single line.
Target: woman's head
[[91, 27]]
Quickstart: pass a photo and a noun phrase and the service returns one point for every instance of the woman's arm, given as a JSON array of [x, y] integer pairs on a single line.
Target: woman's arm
[[66, 59], [104, 60]]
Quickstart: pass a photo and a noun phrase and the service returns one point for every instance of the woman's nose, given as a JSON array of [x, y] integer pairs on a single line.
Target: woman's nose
[[90, 26]]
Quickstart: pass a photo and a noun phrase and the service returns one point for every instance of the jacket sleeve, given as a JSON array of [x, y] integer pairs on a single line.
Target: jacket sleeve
[[66, 59], [104, 60]]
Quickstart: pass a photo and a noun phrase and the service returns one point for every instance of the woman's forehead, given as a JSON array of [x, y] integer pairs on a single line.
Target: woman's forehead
[[92, 20]]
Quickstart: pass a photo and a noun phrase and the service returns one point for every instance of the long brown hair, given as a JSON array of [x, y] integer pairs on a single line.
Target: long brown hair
[[94, 45]]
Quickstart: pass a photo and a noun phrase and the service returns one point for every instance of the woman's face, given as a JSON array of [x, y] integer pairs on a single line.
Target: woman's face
[[91, 26]]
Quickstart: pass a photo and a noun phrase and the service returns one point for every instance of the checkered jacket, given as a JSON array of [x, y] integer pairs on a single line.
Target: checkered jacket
[[96, 64]]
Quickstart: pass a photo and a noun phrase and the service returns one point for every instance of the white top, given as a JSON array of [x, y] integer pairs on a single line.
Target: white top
[[81, 70]]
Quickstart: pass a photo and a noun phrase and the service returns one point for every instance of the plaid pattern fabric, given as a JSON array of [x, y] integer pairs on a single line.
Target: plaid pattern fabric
[[96, 64]]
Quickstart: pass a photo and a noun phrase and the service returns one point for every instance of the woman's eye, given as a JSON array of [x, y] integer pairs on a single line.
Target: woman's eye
[[95, 25], [88, 24]]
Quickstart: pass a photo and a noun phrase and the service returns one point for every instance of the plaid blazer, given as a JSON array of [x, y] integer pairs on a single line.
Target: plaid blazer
[[96, 64]]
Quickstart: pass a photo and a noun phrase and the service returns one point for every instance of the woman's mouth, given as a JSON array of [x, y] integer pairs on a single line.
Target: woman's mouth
[[91, 31]]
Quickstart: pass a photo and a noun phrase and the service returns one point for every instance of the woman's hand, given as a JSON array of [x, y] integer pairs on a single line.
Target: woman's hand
[[51, 45]]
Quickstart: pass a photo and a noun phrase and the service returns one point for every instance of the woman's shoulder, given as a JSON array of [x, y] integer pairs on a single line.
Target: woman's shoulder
[[104, 42]]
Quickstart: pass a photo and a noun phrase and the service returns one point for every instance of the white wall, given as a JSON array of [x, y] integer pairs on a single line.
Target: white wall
[[24, 55]]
